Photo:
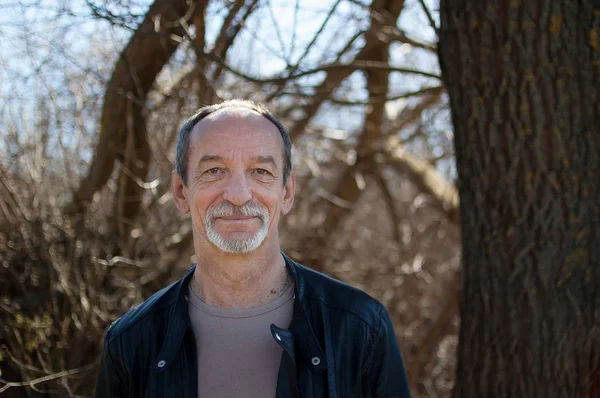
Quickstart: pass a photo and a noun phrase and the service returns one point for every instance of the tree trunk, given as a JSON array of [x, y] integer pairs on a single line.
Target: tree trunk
[[524, 79], [122, 125]]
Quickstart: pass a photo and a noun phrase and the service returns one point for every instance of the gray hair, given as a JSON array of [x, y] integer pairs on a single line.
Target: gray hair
[[183, 137]]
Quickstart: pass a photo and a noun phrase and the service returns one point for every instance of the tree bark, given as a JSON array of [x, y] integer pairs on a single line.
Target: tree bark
[[523, 79]]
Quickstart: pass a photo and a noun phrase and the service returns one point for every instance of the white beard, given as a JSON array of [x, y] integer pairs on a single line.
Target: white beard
[[226, 209]]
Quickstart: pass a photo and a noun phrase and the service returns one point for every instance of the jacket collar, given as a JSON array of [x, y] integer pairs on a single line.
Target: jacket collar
[[300, 333]]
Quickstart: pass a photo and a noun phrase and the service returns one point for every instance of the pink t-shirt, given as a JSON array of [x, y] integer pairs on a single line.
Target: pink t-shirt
[[237, 356]]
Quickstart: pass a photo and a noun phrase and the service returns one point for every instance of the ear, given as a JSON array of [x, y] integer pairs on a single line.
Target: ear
[[288, 194], [180, 193]]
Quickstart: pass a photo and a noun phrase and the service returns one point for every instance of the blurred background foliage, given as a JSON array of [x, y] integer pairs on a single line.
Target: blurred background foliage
[[91, 96]]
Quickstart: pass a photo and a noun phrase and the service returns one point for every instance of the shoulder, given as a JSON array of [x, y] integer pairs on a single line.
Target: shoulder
[[157, 305], [338, 296]]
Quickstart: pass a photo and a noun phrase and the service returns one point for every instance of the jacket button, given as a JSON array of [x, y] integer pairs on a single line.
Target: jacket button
[[315, 361], [161, 364]]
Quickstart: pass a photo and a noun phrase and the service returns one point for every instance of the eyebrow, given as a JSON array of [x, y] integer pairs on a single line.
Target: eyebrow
[[264, 159], [258, 159], [209, 158]]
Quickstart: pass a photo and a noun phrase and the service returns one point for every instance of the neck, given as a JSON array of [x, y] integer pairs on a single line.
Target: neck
[[240, 280]]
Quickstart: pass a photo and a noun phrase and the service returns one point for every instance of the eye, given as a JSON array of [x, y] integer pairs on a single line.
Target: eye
[[263, 172], [214, 170]]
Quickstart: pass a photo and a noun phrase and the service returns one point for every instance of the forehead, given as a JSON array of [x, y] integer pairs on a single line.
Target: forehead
[[232, 127]]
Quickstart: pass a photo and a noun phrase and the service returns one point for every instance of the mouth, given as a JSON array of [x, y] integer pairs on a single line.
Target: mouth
[[237, 218]]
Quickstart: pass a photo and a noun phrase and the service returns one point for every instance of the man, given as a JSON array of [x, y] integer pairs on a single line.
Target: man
[[247, 321]]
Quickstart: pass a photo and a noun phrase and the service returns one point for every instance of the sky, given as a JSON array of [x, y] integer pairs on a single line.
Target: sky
[[44, 41], [33, 31]]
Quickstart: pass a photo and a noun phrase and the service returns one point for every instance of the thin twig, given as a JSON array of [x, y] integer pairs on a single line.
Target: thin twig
[[18, 362], [32, 383], [429, 17], [378, 99], [364, 65], [278, 34]]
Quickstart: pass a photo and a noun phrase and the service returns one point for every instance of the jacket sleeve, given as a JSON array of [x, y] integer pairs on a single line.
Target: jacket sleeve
[[385, 376], [110, 381]]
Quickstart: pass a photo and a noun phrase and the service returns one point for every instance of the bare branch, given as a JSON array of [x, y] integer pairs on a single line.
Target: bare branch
[[376, 99], [402, 37], [229, 33], [278, 33], [365, 65], [220, 43], [390, 203], [32, 383], [429, 17], [307, 49], [409, 115], [344, 68], [427, 179], [132, 78]]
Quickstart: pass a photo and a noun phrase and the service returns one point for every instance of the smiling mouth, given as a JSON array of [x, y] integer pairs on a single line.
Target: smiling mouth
[[237, 218]]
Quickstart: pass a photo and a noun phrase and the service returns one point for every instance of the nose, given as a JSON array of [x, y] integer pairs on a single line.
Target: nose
[[238, 190]]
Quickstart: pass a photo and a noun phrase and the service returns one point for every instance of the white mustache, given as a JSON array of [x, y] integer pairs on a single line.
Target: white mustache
[[227, 209]]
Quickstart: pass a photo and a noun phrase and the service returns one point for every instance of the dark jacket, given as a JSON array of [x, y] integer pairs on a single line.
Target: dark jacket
[[340, 343]]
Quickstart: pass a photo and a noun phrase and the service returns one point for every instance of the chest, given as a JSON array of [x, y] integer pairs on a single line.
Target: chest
[[296, 379], [239, 359]]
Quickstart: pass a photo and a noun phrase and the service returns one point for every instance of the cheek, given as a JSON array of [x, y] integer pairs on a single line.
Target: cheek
[[199, 206], [275, 208]]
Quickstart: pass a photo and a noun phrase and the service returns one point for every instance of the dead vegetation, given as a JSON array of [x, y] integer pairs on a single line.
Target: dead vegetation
[[88, 228]]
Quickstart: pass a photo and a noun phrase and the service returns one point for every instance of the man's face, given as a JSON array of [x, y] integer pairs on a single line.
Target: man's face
[[235, 190]]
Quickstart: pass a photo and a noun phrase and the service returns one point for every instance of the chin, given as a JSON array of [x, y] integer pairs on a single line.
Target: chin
[[237, 245]]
